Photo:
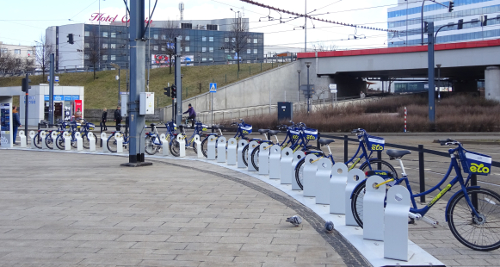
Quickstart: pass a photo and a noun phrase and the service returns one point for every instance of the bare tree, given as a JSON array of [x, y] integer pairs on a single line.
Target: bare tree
[[92, 52], [320, 47], [166, 40], [238, 38], [43, 51]]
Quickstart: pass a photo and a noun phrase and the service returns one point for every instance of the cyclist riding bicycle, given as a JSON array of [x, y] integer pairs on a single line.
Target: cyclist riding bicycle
[[192, 115]]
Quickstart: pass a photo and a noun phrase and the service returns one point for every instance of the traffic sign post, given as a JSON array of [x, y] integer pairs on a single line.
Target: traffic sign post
[[213, 89]]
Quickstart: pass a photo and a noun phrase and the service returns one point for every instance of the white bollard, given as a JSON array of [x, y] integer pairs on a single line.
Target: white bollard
[[297, 156], [165, 146], [79, 141], [232, 147], [354, 177], [119, 142], [43, 136], [241, 144], [309, 175], [182, 145], [221, 149], [32, 137], [53, 135], [211, 146], [92, 142], [275, 162], [251, 146], [263, 158], [322, 181], [286, 165], [197, 143], [67, 141], [337, 188], [22, 138], [396, 223], [104, 140], [373, 209]]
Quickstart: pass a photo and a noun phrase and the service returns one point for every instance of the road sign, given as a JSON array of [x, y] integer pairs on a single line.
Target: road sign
[[213, 88]]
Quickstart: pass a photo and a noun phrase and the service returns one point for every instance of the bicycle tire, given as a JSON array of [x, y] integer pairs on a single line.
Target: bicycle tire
[[299, 170], [37, 140], [175, 148], [60, 142], [255, 158], [111, 143], [465, 226], [357, 199], [204, 147], [150, 147], [245, 155], [49, 142]]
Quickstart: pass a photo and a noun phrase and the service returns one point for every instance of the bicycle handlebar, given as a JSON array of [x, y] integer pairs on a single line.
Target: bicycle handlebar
[[449, 142]]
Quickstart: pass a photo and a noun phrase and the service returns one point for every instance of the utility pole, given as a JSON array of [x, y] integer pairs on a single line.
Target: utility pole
[[51, 90], [305, 28], [178, 80], [430, 48]]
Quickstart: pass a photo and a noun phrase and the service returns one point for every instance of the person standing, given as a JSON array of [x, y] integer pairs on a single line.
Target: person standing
[[78, 115], [104, 118], [16, 122], [118, 118], [192, 115]]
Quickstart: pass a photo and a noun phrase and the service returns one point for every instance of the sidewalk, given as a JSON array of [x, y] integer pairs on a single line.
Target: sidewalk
[[95, 212]]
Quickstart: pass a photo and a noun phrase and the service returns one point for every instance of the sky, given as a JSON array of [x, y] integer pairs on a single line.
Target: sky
[[24, 21]]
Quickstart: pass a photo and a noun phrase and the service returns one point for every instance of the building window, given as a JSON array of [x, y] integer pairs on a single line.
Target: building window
[[17, 51], [180, 37], [249, 41], [155, 47], [113, 57], [164, 37], [211, 39], [105, 46], [186, 48], [203, 38], [226, 51], [254, 41], [211, 59], [155, 36], [4, 50], [113, 35], [86, 56], [87, 45], [87, 33], [204, 59], [233, 40], [203, 49], [113, 46], [210, 49], [163, 48], [249, 51], [30, 52], [187, 38], [226, 40], [255, 51], [104, 34], [104, 57]]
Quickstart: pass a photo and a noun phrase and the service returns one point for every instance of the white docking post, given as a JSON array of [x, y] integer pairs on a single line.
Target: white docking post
[[232, 146], [322, 181], [297, 156], [197, 143], [241, 145], [119, 142], [396, 223], [79, 141], [92, 142], [309, 175], [354, 177], [182, 145], [104, 140], [67, 141], [221, 149], [275, 162], [32, 137], [286, 165], [165, 146], [53, 136], [263, 159], [337, 188], [22, 138], [373, 209], [251, 146], [212, 142], [43, 136]]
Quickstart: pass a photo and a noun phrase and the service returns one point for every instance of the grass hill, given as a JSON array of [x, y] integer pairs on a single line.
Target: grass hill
[[103, 91]]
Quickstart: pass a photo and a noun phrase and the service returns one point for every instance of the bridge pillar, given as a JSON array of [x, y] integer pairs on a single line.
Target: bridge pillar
[[492, 83], [349, 85]]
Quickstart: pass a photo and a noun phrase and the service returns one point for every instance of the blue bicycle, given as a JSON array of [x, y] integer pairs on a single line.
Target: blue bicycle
[[199, 128], [472, 213]]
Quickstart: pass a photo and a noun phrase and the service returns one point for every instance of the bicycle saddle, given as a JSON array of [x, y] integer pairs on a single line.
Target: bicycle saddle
[[274, 132], [397, 154], [263, 131], [325, 141]]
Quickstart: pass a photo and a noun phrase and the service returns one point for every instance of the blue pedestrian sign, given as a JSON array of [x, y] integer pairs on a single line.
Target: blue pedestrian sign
[[213, 88]]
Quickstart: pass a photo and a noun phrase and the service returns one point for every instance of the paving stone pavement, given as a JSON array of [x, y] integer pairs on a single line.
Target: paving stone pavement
[[71, 209]]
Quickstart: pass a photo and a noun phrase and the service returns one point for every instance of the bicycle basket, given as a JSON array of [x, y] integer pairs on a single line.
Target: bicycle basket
[[90, 126], [374, 143], [311, 134], [246, 128], [475, 163]]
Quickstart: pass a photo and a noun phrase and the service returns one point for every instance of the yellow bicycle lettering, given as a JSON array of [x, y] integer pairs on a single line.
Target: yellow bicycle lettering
[[310, 137], [439, 195], [377, 147], [295, 137], [479, 168], [245, 132]]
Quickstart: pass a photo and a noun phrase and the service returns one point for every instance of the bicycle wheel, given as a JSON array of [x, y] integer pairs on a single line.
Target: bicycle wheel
[[478, 233], [150, 147], [38, 140], [60, 142], [255, 158], [359, 194], [299, 173], [49, 142], [175, 148], [245, 155], [112, 143], [204, 147]]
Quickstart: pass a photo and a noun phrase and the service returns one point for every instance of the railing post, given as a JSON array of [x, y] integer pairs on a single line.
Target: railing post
[[317, 141], [421, 171], [346, 148]]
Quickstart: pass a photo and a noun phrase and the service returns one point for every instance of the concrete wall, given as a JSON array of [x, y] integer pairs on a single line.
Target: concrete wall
[[492, 83]]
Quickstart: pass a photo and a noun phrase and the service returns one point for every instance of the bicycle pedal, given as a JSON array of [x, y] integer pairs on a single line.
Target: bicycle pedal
[[411, 221]]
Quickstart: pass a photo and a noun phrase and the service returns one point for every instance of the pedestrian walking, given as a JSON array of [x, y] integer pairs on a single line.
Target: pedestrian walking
[[118, 118], [104, 118], [16, 122]]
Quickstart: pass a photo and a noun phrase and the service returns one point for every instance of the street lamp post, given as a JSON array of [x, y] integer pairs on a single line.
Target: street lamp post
[[308, 64], [298, 71], [439, 81]]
